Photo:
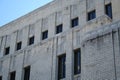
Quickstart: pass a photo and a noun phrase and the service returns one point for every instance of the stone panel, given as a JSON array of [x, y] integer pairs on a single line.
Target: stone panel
[[61, 44], [8, 39], [12, 63], [5, 69], [98, 59], [90, 5], [25, 36], [75, 11], [3, 46], [31, 30], [76, 39], [43, 63], [59, 17], [0, 46], [51, 25], [13, 42], [19, 35], [18, 65], [0, 67], [45, 24], [66, 18]]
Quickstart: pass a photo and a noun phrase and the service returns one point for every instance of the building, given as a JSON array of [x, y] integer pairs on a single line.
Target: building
[[63, 40]]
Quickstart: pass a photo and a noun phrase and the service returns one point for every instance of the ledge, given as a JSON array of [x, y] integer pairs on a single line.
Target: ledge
[[106, 29]]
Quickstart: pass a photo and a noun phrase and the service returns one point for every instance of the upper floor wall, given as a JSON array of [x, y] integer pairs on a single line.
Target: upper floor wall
[[53, 14], [58, 10]]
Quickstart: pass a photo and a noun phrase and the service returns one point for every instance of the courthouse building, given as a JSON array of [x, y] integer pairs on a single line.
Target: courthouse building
[[63, 40]]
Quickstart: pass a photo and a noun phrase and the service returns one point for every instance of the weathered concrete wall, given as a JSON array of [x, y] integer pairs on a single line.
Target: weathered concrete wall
[[100, 58], [98, 39]]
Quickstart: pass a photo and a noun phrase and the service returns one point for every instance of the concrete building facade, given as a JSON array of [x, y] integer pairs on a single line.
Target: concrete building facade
[[63, 40]]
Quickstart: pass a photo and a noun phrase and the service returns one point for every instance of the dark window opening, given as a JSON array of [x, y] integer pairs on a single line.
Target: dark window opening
[[61, 66], [75, 22], [91, 15], [7, 50], [44, 35], [0, 77], [31, 40], [59, 28], [77, 62], [108, 10], [12, 75], [19, 44], [27, 73]]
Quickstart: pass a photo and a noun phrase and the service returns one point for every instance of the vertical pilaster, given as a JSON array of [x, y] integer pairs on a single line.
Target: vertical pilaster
[[54, 61], [117, 53], [13, 42], [69, 57], [66, 18], [100, 7], [116, 10], [51, 25], [0, 46], [3, 46], [83, 11], [5, 69], [25, 36], [19, 66], [38, 25]]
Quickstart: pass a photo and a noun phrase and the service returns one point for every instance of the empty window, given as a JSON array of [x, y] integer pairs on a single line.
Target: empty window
[[74, 22], [7, 50], [12, 75], [31, 40], [61, 66], [19, 44], [77, 62], [27, 73], [108, 10], [59, 28], [91, 15], [44, 35], [0, 77]]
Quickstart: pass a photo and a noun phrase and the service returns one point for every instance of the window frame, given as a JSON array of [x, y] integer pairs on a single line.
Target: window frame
[[18, 44], [77, 65], [59, 28], [61, 66], [7, 50], [12, 75], [44, 33], [0, 77], [109, 13], [31, 40], [75, 22], [26, 75], [91, 15]]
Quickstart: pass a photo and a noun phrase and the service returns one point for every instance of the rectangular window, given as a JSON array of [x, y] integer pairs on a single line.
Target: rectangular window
[[7, 50], [27, 73], [44, 35], [61, 66], [31, 40], [77, 62], [12, 75], [0, 77], [19, 44], [59, 28], [91, 15], [74, 22], [108, 10]]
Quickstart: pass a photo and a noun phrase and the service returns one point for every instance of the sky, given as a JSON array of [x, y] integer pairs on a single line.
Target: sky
[[13, 9]]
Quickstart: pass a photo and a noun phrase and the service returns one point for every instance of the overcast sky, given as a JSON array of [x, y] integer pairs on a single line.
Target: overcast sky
[[12, 9]]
